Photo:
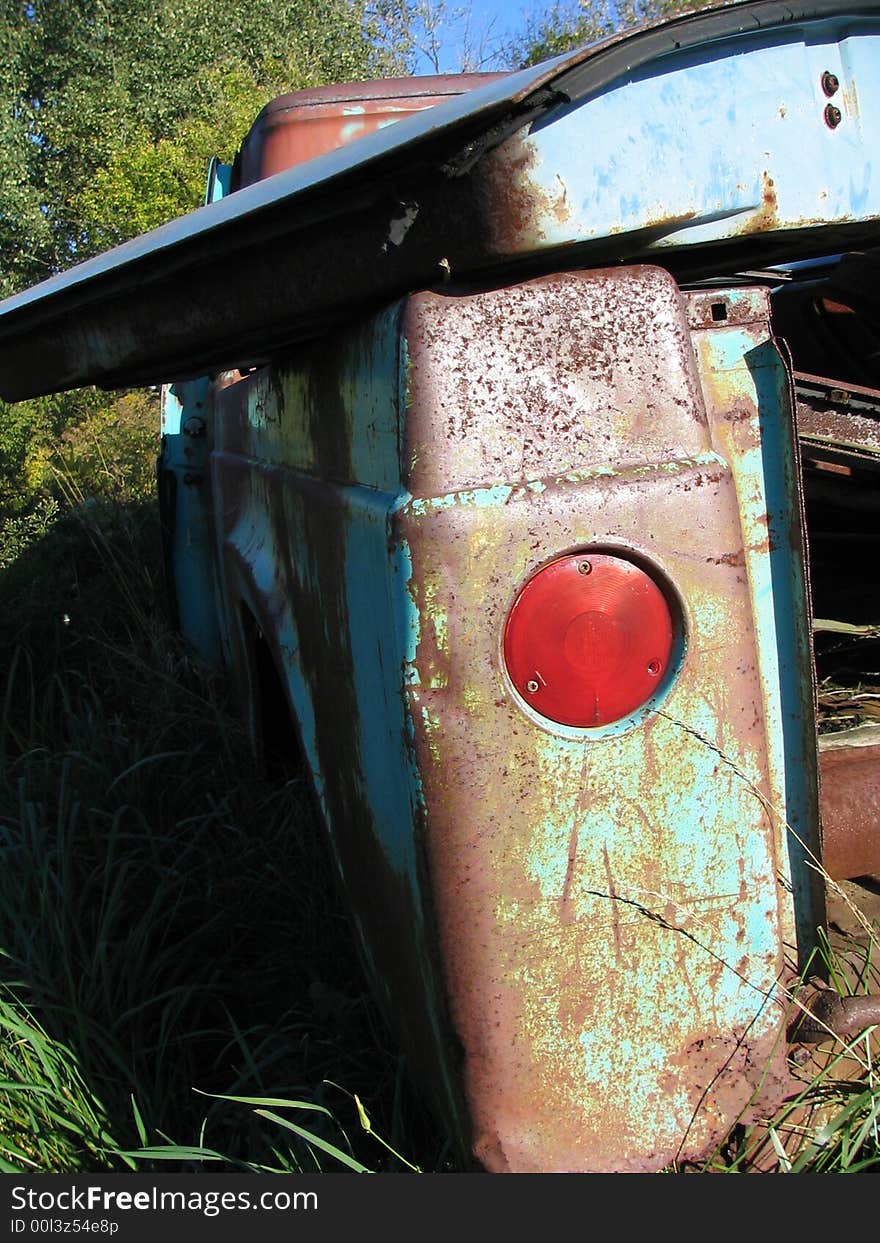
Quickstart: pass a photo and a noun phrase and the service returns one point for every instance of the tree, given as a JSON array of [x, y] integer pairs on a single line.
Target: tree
[[568, 24], [450, 39], [112, 108]]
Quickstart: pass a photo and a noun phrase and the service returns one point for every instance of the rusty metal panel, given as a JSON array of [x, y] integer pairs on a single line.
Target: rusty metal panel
[[552, 376], [615, 906], [750, 402], [601, 921], [704, 149], [304, 124], [838, 425], [849, 766], [305, 480]]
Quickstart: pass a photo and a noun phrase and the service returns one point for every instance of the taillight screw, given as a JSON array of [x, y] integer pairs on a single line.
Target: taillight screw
[[531, 686], [584, 567], [653, 667]]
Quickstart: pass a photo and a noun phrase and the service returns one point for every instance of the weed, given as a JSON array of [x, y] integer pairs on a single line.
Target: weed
[[179, 983]]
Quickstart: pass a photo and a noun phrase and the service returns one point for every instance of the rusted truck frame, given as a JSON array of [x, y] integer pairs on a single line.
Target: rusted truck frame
[[484, 471]]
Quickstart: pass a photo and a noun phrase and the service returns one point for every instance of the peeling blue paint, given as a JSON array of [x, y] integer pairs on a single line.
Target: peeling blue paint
[[378, 601]]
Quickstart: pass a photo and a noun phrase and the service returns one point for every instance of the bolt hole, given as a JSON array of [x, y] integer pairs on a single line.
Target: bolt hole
[[719, 312], [833, 116]]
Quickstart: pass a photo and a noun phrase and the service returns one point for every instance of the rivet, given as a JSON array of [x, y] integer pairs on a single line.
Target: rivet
[[830, 83], [833, 116]]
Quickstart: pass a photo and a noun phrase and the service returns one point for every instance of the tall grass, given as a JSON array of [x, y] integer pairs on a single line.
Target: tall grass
[[169, 929], [178, 983]]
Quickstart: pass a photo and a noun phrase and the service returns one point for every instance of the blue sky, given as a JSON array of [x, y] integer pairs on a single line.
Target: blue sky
[[509, 18]]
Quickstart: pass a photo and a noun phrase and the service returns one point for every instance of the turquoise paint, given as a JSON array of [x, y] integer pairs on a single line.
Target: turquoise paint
[[499, 495], [253, 538], [351, 380], [689, 853], [380, 636], [381, 625], [767, 480], [479, 498], [219, 180], [407, 622], [186, 516], [786, 628], [371, 388], [383, 771]]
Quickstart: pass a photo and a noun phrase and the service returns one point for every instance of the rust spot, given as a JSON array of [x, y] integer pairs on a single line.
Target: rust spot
[[561, 207], [767, 215], [736, 559], [851, 100], [850, 802], [510, 205], [740, 411], [547, 377]]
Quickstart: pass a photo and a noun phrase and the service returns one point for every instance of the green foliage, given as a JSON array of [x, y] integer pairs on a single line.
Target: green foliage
[[149, 180], [84, 447], [112, 108], [29, 431], [569, 24], [51, 1121], [189, 928], [112, 452], [18, 531]]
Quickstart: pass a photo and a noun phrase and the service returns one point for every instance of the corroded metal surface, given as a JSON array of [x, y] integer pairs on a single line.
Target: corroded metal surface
[[303, 124], [615, 890], [747, 390], [584, 937], [849, 765], [828, 1015], [620, 152], [838, 423], [782, 168]]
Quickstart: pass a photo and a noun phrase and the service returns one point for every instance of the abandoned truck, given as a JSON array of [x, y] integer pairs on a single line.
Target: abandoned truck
[[509, 454]]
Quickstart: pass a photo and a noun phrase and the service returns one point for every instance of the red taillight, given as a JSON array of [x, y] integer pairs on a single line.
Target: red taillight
[[588, 640]]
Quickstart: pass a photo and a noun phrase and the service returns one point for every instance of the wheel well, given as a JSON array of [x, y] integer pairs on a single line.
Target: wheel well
[[274, 729]]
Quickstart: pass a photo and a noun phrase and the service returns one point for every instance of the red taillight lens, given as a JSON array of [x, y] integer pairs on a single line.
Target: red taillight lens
[[588, 640]]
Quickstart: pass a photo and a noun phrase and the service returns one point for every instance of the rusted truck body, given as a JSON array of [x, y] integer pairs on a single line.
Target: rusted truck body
[[487, 445]]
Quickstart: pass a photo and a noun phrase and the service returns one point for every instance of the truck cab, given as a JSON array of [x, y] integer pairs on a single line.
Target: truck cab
[[518, 432]]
